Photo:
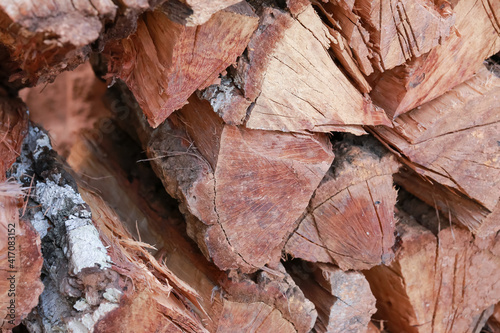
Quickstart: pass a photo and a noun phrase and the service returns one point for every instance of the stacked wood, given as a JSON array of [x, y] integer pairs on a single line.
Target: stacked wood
[[350, 219], [244, 212], [441, 281], [453, 153], [42, 39], [185, 58], [92, 267], [408, 47], [226, 303], [20, 256], [383, 35], [261, 89], [243, 225]]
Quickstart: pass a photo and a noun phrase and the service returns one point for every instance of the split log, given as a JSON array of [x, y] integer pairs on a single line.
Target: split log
[[424, 78], [443, 282], [350, 219], [164, 62], [20, 255], [43, 38], [221, 176], [382, 35], [271, 298], [456, 150], [227, 304], [287, 81], [343, 299]]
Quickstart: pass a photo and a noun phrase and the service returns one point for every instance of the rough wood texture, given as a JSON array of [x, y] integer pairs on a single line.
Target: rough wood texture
[[287, 81], [152, 285], [441, 283], [93, 269], [242, 220], [453, 141], [343, 299], [279, 297], [221, 175], [13, 126], [20, 259], [194, 12], [20, 256], [71, 103], [422, 79], [350, 219], [43, 38], [384, 34], [226, 304], [164, 62]]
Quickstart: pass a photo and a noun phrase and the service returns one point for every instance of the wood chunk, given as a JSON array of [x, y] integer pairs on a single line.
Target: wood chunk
[[350, 219], [44, 38], [221, 174], [226, 304], [426, 77], [164, 62], [153, 284], [446, 143], [292, 82], [280, 293], [443, 283], [384, 34], [343, 299]]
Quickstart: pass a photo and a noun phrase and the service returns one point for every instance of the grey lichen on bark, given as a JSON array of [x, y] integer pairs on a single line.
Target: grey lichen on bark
[[76, 272]]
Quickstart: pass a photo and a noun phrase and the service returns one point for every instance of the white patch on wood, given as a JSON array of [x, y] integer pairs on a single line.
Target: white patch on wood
[[40, 223], [85, 249], [42, 141], [81, 305], [112, 294]]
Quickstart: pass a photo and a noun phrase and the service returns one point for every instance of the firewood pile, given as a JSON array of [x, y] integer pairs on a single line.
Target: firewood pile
[[254, 166]]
